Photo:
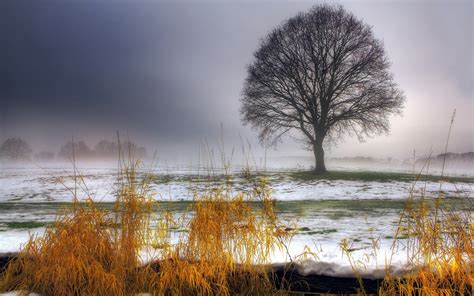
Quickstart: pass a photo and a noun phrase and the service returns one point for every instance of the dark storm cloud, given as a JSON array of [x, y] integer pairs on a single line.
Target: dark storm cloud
[[172, 71], [83, 61], [164, 69]]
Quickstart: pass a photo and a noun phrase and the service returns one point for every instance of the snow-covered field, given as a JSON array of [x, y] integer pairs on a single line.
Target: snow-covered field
[[325, 212], [55, 183]]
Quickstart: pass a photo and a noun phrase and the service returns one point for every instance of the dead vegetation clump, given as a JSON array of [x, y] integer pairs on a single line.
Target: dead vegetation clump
[[87, 251], [440, 251], [92, 251], [227, 249]]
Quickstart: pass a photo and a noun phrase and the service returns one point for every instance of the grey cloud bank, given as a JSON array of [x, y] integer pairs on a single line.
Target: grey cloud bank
[[169, 73]]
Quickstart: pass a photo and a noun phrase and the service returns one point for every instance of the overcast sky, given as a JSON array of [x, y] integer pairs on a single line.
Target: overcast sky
[[171, 72]]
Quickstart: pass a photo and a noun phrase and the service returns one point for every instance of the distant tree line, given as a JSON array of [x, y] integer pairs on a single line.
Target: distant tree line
[[361, 159], [467, 157], [17, 149]]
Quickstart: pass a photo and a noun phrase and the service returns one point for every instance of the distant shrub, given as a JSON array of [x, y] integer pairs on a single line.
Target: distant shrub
[[15, 149], [75, 150]]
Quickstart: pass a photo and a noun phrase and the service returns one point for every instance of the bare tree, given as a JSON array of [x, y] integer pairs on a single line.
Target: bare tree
[[323, 74], [79, 150], [15, 149], [107, 149]]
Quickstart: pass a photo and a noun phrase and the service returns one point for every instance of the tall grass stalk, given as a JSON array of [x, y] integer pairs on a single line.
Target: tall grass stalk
[[92, 251]]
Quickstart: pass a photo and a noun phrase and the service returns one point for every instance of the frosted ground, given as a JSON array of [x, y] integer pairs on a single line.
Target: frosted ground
[[326, 212]]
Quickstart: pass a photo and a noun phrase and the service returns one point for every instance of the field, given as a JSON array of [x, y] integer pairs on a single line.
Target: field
[[342, 224]]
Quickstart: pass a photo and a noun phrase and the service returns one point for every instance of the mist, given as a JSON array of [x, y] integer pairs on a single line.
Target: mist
[[169, 75]]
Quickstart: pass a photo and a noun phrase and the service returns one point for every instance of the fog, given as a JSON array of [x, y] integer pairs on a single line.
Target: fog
[[169, 74]]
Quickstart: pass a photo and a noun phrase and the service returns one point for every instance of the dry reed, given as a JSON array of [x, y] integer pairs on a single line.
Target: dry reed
[[91, 251]]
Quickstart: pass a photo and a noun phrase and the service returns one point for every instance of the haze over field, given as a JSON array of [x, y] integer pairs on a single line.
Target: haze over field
[[169, 73]]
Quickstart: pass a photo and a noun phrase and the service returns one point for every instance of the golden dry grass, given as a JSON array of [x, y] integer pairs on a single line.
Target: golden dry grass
[[90, 251], [440, 251]]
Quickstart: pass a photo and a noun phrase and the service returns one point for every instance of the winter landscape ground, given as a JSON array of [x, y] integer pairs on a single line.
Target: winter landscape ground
[[360, 206]]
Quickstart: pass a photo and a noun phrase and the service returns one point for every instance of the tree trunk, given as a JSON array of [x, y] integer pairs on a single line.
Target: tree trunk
[[318, 150]]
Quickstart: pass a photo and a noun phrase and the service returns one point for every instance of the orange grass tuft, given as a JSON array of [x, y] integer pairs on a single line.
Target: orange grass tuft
[[90, 251], [227, 249], [440, 251]]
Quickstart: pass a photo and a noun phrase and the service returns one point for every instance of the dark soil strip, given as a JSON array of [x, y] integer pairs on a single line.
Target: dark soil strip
[[4, 259], [292, 280], [287, 280]]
